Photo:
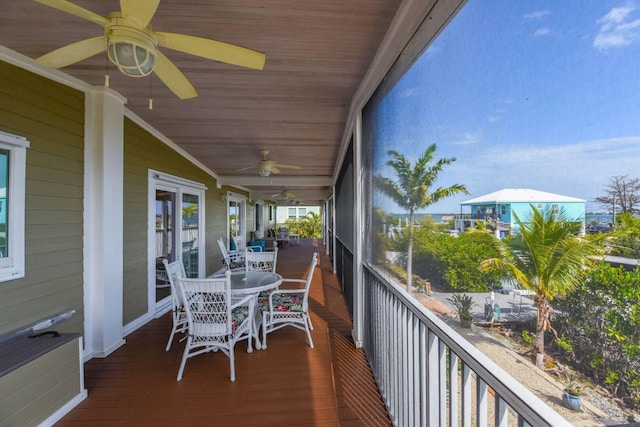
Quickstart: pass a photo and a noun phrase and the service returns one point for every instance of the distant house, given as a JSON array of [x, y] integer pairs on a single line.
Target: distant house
[[284, 213], [499, 209]]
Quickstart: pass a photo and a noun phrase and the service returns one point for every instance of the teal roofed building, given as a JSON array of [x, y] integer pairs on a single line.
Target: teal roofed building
[[500, 208]]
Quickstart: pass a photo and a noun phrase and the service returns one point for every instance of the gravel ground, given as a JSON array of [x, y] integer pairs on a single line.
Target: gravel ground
[[597, 410]]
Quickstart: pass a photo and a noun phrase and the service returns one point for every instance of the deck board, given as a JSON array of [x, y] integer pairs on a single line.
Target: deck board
[[288, 384]]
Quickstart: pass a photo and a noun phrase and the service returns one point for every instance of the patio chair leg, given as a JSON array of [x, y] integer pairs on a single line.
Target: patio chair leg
[[173, 331], [232, 364], [185, 355], [264, 330], [306, 328]]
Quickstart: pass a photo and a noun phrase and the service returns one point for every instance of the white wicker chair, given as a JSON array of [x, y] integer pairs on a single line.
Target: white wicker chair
[[288, 307], [241, 245], [261, 261], [175, 270], [232, 260], [214, 322]]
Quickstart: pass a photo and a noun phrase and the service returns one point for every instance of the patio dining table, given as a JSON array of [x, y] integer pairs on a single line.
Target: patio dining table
[[252, 283]]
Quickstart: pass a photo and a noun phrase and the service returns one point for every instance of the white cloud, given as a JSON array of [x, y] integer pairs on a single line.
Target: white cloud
[[468, 138], [538, 14], [542, 32], [617, 29], [411, 92]]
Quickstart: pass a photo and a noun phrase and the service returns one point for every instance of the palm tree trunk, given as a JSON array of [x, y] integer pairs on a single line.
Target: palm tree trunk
[[541, 326], [410, 253], [409, 262]]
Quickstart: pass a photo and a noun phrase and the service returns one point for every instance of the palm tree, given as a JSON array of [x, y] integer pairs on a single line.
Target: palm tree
[[412, 190], [548, 257]]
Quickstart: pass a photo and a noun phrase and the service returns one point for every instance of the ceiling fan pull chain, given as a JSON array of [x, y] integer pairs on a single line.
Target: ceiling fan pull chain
[[150, 93], [106, 73]]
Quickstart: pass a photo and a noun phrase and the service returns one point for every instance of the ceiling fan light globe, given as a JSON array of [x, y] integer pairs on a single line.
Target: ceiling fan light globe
[[264, 171], [132, 51]]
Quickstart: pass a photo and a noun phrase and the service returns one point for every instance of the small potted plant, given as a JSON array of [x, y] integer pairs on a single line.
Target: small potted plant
[[572, 394], [463, 304]]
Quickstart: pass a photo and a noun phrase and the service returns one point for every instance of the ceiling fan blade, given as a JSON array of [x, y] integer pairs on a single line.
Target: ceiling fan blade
[[173, 77], [280, 165], [275, 170], [247, 168], [72, 53], [75, 10], [141, 11], [212, 49]]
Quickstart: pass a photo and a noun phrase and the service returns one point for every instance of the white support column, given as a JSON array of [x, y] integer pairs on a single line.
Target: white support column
[[359, 235], [103, 218]]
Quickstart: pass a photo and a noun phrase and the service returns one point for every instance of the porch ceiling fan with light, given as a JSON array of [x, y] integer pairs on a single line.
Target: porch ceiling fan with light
[[284, 194], [132, 45], [266, 167]]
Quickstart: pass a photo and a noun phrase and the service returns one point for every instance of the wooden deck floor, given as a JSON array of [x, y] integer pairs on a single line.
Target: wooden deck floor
[[288, 384]]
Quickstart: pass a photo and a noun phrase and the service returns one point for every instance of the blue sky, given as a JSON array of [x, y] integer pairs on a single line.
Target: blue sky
[[525, 94]]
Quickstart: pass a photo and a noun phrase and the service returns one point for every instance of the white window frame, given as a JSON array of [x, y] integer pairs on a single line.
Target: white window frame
[[12, 266]]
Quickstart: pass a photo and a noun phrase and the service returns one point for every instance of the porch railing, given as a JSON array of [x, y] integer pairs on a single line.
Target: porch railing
[[429, 375]]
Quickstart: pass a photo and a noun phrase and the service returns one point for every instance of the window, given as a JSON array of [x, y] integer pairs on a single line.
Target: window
[[503, 209], [302, 212], [292, 213], [12, 195]]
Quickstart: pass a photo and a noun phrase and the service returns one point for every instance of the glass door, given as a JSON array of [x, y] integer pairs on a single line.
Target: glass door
[[190, 234], [178, 230], [165, 238], [235, 218]]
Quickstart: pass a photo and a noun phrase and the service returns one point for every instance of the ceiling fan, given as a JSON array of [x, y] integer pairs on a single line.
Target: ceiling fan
[[132, 45], [284, 194], [266, 167]]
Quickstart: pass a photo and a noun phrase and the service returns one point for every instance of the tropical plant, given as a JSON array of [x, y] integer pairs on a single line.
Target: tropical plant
[[600, 326], [572, 386], [463, 305], [548, 257], [413, 188], [452, 263], [308, 227]]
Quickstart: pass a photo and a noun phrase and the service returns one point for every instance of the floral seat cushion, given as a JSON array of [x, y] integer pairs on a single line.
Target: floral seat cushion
[[281, 302], [238, 315]]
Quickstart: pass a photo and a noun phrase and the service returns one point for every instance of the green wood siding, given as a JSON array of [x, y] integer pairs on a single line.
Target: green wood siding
[[142, 151], [51, 117], [32, 393]]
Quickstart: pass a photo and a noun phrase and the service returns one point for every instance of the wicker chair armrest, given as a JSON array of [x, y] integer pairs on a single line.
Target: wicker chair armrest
[[248, 300]]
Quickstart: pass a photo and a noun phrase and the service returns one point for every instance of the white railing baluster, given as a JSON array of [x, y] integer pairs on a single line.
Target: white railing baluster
[[442, 382], [414, 349], [453, 390], [424, 393], [433, 403], [466, 396], [482, 395], [502, 412]]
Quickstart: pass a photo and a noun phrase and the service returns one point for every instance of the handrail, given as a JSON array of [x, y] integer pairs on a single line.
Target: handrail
[[413, 354]]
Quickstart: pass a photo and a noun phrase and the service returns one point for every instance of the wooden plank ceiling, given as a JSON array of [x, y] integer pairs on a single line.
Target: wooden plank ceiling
[[296, 108]]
